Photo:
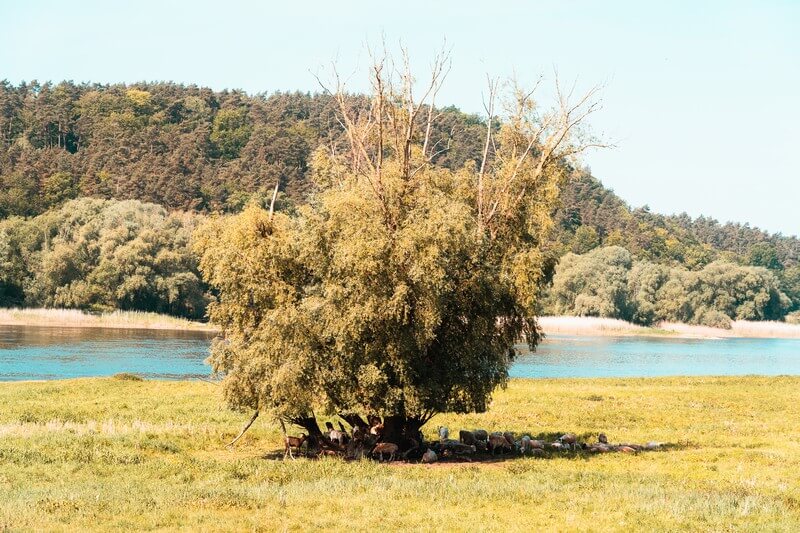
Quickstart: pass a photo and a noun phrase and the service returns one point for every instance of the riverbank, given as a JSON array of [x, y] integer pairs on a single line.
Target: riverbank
[[600, 327], [74, 318], [111, 454]]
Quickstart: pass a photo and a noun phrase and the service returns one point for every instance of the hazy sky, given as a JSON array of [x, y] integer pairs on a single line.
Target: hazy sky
[[701, 98]]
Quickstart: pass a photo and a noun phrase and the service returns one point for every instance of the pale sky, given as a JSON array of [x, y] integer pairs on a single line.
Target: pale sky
[[701, 98]]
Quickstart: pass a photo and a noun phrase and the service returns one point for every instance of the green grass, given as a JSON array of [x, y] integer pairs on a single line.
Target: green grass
[[114, 454]]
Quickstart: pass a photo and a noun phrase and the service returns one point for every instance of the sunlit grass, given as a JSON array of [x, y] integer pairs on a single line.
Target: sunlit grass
[[116, 454], [78, 318]]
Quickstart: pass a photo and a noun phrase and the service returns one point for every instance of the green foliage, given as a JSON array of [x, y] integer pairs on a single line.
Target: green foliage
[[191, 148], [58, 188], [765, 255], [675, 240], [585, 240], [594, 284], [400, 290], [646, 285], [101, 255], [230, 132], [790, 285], [606, 283]]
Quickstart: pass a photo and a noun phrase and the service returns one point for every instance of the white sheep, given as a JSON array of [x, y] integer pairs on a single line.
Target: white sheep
[[429, 456], [525, 445]]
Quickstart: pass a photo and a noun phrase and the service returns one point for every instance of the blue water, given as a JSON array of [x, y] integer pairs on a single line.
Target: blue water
[[57, 353], [566, 356]]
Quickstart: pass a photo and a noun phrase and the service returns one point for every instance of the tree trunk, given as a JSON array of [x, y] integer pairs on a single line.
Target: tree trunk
[[316, 439], [354, 420], [403, 431]]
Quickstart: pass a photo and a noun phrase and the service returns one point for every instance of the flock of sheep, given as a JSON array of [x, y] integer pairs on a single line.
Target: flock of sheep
[[479, 440], [469, 442]]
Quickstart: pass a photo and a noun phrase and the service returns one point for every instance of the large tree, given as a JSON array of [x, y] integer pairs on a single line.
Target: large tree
[[400, 290]]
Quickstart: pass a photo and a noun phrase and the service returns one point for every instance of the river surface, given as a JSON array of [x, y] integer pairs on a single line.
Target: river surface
[[55, 353]]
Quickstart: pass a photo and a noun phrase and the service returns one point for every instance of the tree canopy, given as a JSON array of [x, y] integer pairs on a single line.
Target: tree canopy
[[102, 255], [606, 282], [400, 288]]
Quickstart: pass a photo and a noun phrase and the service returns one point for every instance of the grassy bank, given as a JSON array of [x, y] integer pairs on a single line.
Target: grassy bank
[[584, 325], [111, 454], [80, 319]]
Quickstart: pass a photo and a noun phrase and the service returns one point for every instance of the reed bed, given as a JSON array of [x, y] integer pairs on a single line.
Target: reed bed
[[81, 319], [594, 326]]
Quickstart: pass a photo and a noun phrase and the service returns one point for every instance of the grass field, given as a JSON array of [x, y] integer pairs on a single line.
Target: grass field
[[108, 454]]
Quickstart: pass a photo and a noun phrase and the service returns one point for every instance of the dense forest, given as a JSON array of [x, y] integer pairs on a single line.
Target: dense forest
[[194, 151]]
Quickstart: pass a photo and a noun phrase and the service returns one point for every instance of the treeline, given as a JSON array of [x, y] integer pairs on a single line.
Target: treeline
[[593, 216], [608, 282], [102, 255], [183, 147], [192, 149]]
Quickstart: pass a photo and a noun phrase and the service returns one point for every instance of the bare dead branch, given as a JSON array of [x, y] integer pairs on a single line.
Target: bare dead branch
[[245, 428]]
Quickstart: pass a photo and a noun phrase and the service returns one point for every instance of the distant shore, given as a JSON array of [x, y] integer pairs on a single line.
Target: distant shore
[[552, 325], [74, 318], [609, 327]]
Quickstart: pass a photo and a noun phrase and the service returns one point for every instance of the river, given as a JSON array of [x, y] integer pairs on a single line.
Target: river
[[42, 353]]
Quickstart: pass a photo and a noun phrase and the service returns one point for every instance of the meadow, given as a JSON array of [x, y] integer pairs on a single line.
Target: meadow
[[111, 454]]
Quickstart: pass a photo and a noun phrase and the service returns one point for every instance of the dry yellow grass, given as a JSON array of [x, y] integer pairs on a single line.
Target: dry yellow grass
[[594, 326], [587, 325], [81, 319]]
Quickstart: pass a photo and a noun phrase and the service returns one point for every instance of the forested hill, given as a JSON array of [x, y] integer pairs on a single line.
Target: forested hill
[[189, 148], [593, 215], [183, 147]]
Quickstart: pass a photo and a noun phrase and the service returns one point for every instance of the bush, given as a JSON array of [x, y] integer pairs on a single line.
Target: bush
[[712, 318], [127, 376]]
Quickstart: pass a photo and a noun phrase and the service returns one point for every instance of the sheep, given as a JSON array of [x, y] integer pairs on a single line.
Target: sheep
[[385, 447], [467, 437], [525, 445], [456, 447], [336, 436], [443, 433], [429, 456], [570, 440], [498, 441], [481, 435], [293, 442]]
